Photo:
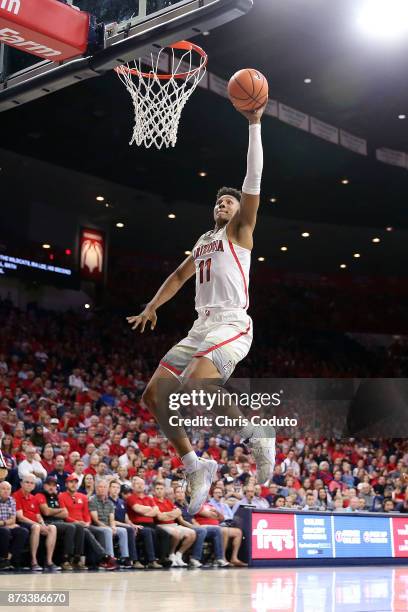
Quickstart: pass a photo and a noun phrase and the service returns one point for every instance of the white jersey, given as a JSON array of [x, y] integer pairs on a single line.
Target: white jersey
[[222, 272]]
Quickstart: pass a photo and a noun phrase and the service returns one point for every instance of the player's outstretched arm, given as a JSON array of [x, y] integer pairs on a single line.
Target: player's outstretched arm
[[168, 289], [243, 223]]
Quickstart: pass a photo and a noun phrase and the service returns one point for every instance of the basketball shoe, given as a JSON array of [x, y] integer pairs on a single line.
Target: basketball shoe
[[263, 451], [199, 483]]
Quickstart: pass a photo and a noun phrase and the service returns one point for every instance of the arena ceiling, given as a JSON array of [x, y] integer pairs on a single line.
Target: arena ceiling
[[357, 84]]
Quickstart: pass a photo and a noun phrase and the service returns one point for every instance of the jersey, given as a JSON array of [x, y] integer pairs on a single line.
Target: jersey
[[222, 272]]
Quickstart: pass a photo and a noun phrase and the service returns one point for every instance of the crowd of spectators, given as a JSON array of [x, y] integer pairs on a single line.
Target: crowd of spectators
[[91, 482]]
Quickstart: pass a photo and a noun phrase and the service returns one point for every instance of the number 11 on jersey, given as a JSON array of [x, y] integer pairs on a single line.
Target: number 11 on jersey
[[207, 265]]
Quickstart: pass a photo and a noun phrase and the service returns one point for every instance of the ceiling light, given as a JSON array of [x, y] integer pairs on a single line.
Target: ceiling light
[[345, 181], [100, 198], [273, 200], [389, 228], [305, 235], [384, 19], [376, 240], [402, 116], [87, 306], [46, 246], [284, 248], [187, 252], [357, 255], [307, 81], [261, 258], [171, 216], [202, 173], [206, 33], [120, 224], [106, 205], [343, 266]]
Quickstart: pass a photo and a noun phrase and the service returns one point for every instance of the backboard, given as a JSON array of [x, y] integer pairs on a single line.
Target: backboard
[[131, 29]]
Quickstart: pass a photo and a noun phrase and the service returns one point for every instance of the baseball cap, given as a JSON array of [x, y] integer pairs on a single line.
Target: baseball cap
[[72, 477], [50, 479], [54, 420]]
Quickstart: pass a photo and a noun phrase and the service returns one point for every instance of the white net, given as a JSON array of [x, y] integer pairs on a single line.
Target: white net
[[158, 102]]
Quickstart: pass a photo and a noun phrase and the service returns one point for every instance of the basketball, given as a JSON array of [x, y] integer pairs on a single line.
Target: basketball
[[248, 89]]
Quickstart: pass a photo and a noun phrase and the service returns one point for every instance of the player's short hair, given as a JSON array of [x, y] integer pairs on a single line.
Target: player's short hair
[[231, 191]]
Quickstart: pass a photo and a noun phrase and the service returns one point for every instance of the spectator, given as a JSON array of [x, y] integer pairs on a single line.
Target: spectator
[[88, 485], [75, 380], [338, 504], [250, 499], [79, 467], [48, 458], [102, 513], [203, 533], [354, 505], [53, 436], [29, 516], [311, 503], [142, 511], [54, 514], [388, 505], [59, 472], [365, 493], [13, 538], [167, 519], [208, 515], [32, 465], [77, 507], [290, 462], [122, 520], [280, 501]]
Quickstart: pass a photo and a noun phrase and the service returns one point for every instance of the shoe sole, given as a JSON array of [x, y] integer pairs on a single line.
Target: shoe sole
[[213, 467]]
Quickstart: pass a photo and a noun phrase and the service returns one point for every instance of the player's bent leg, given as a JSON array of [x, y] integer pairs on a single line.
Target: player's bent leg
[[155, 397]]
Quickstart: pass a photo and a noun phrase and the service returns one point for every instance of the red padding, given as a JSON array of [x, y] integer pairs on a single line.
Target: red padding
[[46, 28]]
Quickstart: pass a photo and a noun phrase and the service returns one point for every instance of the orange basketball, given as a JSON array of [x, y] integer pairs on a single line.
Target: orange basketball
[[248, 89]]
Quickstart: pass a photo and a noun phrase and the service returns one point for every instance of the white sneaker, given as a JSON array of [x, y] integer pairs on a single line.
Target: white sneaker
[[263, 451], [199, 483], [179, 559], [173, 559], [195, 563], [221, 563]]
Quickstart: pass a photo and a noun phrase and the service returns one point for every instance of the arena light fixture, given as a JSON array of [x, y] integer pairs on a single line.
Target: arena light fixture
[[202, 173], [305, 235], [100, 198], [384, 19], [187, 252], [46, 246], [87, 306], [284, 248], [307, 81], [402, 117], [356, 255], [120, 224], [273, 200], [345, 181], [261, 258], [171, 216], [389, 228], [343, 266], [376, 240]]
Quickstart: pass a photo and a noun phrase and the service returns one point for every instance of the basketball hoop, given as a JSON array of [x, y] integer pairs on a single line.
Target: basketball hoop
[[158, 99]]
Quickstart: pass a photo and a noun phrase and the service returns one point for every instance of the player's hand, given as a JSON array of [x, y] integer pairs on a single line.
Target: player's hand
[[253, 116], [149, 314]]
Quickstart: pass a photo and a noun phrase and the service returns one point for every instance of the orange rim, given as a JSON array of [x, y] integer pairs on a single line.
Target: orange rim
[[184, 45]]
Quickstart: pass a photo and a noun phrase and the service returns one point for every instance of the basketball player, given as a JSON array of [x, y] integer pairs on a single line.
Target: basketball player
[[222, 334]]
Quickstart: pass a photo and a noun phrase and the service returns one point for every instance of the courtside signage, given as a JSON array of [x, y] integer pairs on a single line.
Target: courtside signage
[[319, 536]]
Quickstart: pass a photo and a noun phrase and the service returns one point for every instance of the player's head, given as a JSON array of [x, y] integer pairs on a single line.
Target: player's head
[[226, 205]]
